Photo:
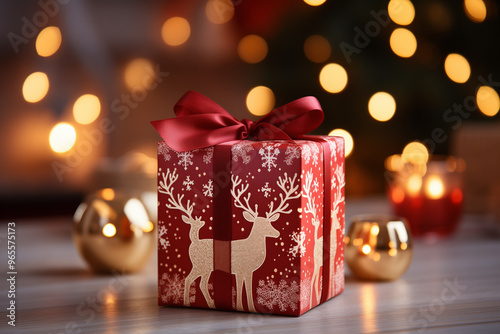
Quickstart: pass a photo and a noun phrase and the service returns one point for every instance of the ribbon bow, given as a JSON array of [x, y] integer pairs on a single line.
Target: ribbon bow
[[201, 122]]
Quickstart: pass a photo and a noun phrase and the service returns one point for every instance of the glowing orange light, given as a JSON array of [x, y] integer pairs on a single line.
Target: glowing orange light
[[108, 194], [435, 187], [314, 3], [333, 78], [35, 87], [176, 31], [252, 49], [219, 11], [260, 100], [48, 41], [397, 195], [109, 230], [366, 249], [317, 48]]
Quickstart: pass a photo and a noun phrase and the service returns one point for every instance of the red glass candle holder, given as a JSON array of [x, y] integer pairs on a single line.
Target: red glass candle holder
[[428, 194]]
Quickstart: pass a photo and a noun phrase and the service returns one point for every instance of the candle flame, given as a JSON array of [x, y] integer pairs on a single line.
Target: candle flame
[[435, 187]]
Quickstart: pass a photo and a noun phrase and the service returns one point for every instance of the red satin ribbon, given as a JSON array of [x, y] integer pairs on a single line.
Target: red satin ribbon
[[201, 122]]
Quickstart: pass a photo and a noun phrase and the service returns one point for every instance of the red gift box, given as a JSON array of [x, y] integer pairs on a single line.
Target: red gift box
[[251, 225]]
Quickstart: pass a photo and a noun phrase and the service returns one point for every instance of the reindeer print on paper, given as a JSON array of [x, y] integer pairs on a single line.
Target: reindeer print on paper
[[317, 241], [200, 250], [248, 255], [338, 184]]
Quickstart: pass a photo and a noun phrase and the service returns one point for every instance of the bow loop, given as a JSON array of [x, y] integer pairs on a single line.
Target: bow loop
[[200, 122]]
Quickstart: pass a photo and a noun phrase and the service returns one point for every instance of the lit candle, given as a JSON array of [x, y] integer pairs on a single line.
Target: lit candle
[[427, 193]]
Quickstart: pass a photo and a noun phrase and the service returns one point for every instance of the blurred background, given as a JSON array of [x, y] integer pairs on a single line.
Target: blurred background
[[82, 79]]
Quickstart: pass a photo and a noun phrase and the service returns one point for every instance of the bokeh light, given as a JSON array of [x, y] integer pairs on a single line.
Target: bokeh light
[[401, 12], [252, 49], [333, 78], [403, 42], [139, 74], [476, 10], [219, 11], [382, 106], [109, 230], [348, 140], [260, 100], [35, 87], [414, 184], [415, 152], [48, 41], [434, 187], [317, 48], [314, 2], [62, 137], [366, 249], [176, 31], [86, 109], [488, 101], [457, 68]]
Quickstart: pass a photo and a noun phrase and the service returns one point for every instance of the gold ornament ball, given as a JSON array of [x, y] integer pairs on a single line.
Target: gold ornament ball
[[378, 247], [113, 231]]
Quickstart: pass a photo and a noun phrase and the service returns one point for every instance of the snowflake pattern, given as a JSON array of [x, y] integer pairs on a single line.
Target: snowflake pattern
[[209, 155], [266, 190], [298, 248], [185, 159], [242, 149], [269, 155], [315, 185], [310, 152], [338, 279], [208, 189], [188, 182], [333, 149], [162, 236], [283, 295], [305, 293], [292, 152], [164, 150], [171, 288]]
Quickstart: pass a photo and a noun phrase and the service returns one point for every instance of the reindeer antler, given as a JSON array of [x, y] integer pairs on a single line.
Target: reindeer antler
[[282, 208], [246, 207], [166, 187], [310, 206], [340, 177]]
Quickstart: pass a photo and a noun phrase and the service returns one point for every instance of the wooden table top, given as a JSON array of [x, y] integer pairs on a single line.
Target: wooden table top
[[452, 286]]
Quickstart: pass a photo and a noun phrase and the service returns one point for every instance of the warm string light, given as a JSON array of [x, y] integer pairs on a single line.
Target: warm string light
[[317, 49], [333, 78], [48, 41], [219, 11], [176, 31], [314, 3], [457, 68], [260, 100], [488, 101], [475, 10], [403, 42], [252, 49], [139, 74], [382, 106], [62, 137], [86, 109], [415, 153], [35, 87], [401, 12]]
